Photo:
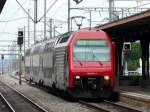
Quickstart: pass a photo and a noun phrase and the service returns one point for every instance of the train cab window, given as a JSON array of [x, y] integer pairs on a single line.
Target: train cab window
[[64, 39], [91, 50]]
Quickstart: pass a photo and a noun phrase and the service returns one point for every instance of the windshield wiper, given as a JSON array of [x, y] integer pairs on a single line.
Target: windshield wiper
[[97, 59], [78, 60]]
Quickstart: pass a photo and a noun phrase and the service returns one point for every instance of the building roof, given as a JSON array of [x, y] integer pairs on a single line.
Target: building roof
[[130, 27]]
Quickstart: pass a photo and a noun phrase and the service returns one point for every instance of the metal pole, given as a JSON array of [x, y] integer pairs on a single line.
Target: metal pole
[[2, 66], [24, 39], [69, 15], [111, 9], [122, 13], [28, 28], [54, 31], [71, 24], [44, 19], [90, 19], [8, 60], [35, 19], [50, 28], [20, 71]]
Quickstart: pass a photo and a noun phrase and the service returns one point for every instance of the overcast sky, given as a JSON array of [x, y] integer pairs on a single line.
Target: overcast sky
[[12, 11]]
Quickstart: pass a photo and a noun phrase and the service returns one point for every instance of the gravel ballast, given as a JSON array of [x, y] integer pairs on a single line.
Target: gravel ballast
[[48, 101]]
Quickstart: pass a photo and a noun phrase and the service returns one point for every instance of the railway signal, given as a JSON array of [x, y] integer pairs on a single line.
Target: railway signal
[[20, 42], [20, 37]]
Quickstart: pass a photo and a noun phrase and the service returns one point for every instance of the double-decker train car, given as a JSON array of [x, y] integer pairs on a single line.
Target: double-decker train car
[[80, 63]]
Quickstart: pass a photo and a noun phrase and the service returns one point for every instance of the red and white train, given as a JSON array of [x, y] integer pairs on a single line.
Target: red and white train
[[80, 63]]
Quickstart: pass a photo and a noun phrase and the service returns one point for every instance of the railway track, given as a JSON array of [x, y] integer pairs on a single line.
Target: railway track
[[4, 105], [15, 101], [104, 106], [107, 106]]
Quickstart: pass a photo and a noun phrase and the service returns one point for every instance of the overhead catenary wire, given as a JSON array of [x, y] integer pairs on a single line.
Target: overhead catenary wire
[[48, 10], [57, 8], [15, 19], [17, 9], [15, 12], [25, 11]]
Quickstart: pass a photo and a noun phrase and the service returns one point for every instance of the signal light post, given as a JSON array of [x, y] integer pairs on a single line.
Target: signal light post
[[20, 42]]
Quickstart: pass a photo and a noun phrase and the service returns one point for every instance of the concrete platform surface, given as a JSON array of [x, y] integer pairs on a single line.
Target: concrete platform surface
[[135, 89], [136, 96]]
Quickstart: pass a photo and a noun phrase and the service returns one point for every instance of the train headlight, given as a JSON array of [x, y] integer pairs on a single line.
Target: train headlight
[[77, 77], [106, 77]]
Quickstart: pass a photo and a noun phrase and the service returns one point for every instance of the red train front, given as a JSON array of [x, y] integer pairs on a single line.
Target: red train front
[[80, 63], [91, 64]]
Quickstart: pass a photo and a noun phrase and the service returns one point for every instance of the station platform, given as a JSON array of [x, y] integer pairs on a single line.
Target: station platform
[[135, 95]]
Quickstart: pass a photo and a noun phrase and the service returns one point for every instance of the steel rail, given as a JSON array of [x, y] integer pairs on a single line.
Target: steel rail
[[105, 109], [7, 103], [93, 106], [26, 98], [98, 107], [122, 106]]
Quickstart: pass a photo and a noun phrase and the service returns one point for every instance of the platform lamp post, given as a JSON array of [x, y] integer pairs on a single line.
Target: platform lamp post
[[69, 10], [78, 23], [20, 42]]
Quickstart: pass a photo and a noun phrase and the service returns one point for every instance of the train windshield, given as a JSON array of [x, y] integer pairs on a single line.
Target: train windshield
[[91, 50]]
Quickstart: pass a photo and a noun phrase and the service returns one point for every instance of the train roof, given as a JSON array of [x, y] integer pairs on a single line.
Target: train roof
[[59, 41]]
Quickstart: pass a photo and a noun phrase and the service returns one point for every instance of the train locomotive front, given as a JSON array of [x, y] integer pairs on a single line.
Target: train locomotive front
[[91, 65], [80, 63]]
